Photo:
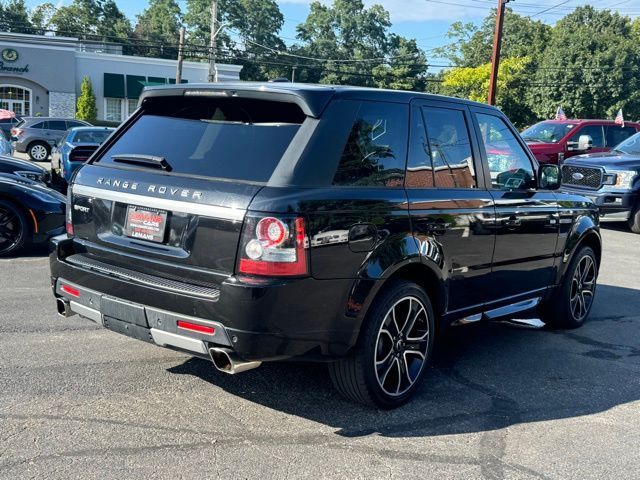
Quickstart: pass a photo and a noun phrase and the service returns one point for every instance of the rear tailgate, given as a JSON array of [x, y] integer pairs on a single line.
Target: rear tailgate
[[166, 195]]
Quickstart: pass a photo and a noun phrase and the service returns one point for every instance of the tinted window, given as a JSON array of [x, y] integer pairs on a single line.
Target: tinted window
[[39, 125], [57, 125], [594, 131], [375, 152], [509, 164], [91, 136], [71, 124], [449, 147], [419, 166], [233, 138], [617, 134], [548, 132], [631, 145]]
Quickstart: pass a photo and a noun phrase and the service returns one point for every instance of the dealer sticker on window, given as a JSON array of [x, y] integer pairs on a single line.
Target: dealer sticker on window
[[145, 223]]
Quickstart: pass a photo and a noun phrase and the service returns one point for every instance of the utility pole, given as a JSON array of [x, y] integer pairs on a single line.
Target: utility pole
[[180, 56], [213, 71], [495, 57]]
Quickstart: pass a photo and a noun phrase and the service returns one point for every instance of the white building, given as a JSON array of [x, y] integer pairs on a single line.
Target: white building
[[41, 75]]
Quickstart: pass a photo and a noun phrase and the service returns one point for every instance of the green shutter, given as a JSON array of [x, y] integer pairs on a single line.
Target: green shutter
[[135, 84], [156, 81], [172, 81], [113, 85]]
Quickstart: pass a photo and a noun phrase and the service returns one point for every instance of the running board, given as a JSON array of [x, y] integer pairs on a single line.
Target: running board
[[499, 314]]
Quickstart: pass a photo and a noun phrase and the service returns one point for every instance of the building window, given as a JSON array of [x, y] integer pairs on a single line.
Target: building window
[[132, 104], [16, 99], [113, 109]]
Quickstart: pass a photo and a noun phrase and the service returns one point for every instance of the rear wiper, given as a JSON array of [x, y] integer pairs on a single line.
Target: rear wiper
[[142, 160]]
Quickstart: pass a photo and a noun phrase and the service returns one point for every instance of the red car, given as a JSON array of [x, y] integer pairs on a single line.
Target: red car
[[552, 141]]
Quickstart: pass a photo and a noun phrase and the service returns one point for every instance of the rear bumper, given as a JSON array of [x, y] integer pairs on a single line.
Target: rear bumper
[[271, 321], [608, 202]]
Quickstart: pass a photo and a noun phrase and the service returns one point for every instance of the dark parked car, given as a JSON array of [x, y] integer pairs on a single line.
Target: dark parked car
[[335, 224], [24, 168], [37, 135], [30, 213], [552, 141], [75, 148], [611, 180]]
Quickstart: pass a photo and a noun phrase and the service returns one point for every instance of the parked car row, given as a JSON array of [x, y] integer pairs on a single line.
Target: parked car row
[[30, 211], [36, 136]]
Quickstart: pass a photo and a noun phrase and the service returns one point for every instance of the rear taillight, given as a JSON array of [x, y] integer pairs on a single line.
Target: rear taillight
[[16, 132], [273, 246], [68, 221]]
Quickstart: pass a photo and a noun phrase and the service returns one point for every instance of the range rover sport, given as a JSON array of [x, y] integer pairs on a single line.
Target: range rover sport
[[248, 223]]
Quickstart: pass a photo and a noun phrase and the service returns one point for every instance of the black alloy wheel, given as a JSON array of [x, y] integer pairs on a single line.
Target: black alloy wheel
[[570, 306], [393, 350], [13, 228]]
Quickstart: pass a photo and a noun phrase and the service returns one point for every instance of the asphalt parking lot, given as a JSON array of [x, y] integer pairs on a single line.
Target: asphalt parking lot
[[78, 401]]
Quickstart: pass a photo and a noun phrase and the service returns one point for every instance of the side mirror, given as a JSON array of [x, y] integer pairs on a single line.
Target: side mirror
[[585, 142], [549, 177]]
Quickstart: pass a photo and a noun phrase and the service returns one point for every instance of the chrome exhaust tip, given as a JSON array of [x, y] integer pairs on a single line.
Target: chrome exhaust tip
[[63, 307], [226, 361]]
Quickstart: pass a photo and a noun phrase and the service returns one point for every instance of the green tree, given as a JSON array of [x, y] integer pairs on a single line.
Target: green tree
[[14, 17], [356, 47], [86, 104], [159, 26], [472, 46], [473, 83], [41, 17], [92, 19], [256, 23], [591, 67]]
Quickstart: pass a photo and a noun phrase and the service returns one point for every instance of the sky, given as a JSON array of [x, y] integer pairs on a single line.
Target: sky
[[425, 20]]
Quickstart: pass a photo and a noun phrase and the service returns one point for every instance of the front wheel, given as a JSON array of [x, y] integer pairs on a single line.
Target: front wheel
[[393, 351], [14, 229], [572, 304], [634, 218], [38, 151]]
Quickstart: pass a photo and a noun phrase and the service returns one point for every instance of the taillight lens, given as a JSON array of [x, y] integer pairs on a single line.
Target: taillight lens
[[68, 223], [273, 246], [16, 132]]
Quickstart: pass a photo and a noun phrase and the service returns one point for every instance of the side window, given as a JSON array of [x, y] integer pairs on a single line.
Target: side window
[[617, 134], [449, 147], [40, 125], [71, 124], [57, 125], [419, 165], [509, 164], [375, 153], [594, 131]]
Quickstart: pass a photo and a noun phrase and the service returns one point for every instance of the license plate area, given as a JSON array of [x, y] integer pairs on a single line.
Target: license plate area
[[145, 223]]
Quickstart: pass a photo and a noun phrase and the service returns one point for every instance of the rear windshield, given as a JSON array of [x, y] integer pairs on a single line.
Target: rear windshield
[[91, 136], [238, 139]]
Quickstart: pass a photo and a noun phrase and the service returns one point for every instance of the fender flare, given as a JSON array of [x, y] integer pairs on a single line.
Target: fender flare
[[584, 230]]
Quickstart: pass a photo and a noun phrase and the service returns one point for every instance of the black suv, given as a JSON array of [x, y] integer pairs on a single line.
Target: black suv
[[260, 222]]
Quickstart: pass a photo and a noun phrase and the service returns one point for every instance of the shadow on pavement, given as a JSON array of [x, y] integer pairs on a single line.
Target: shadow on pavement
[[483, 377]]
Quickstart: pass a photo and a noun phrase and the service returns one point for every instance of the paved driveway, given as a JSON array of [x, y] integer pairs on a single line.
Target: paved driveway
[[77, 401]]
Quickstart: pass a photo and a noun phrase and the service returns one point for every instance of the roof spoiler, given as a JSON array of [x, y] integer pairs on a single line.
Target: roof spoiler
[[311, 101]]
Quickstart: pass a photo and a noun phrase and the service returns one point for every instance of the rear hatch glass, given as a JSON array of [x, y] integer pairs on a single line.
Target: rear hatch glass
[[182, 222], [229, 138]]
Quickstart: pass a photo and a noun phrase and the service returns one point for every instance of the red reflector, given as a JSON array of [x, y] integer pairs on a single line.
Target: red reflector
[[196, 327], [69, 228], [74, 292]]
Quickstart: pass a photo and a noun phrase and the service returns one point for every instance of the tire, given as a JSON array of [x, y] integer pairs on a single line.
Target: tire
[[38, 151], [385, 367], [570, 307], [634, 219], [14, 229]]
